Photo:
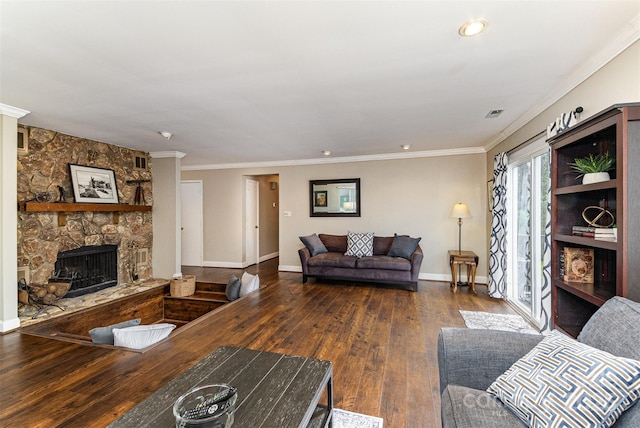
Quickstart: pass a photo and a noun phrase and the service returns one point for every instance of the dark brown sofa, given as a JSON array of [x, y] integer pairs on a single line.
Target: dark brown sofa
[[380, 267]]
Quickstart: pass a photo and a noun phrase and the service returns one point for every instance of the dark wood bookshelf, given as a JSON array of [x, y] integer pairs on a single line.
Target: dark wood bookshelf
[[615, 130]]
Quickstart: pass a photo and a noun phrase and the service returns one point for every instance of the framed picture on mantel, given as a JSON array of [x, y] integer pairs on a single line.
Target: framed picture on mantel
[[93, 185]]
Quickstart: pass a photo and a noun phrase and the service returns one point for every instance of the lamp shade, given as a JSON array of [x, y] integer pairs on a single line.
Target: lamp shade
[[460, 210]]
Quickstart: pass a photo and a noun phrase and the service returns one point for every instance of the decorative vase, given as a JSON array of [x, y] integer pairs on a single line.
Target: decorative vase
[[595, 177]]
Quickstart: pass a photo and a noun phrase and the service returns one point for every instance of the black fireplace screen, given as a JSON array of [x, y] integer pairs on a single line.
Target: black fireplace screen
[[89, 269]]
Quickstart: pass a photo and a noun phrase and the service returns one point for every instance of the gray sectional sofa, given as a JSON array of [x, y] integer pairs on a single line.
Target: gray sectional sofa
[[471, 360], [380, 267]]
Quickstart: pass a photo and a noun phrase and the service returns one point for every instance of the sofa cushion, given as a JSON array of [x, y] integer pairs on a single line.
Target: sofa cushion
[[233, 288], [141, 336], [403, 246], [334, 243], [467, 407], [381, 245], [614, 328], [562, 382], [249, 283], [332, 260], [105, 334], [314, 244], [383, 262], [359, 244]]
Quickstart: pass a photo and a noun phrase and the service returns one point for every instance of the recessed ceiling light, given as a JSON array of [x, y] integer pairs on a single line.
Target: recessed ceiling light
[[405, 146], [326, 152], [473, 27], [166, 134]]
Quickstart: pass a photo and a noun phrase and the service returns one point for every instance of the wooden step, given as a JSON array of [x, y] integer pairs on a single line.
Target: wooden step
[[210, 286], [188, 308]]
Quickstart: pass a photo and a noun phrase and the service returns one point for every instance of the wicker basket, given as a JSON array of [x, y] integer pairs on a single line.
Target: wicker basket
[[184, 286]]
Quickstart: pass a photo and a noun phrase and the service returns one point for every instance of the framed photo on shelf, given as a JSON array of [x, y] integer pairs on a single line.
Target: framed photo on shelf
[[93, 185]]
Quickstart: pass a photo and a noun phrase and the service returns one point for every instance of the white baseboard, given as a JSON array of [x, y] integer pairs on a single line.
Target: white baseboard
[[285, 268], [232, 265], [8, 325], [238, 265], [423, 276], [269, 257]]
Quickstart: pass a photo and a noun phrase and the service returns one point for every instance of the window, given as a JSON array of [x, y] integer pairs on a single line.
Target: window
[[527, 207]]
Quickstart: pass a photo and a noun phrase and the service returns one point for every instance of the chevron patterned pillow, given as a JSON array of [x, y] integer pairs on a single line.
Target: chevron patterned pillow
[[562, 382], [359, 244]]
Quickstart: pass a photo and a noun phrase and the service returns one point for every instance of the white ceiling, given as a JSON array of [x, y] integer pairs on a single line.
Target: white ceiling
[[239, 82]]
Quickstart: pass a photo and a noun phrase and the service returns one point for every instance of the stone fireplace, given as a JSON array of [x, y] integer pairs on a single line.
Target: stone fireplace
[[42, 236], [88, 269]]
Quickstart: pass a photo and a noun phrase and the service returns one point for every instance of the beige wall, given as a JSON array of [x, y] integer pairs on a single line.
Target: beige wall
[[615, 83], [407, 196]]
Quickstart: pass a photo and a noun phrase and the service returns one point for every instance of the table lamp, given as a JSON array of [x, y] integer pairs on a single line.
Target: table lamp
[[460, 211]]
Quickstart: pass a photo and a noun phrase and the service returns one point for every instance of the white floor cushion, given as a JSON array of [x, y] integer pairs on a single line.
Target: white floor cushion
[[141, 336]]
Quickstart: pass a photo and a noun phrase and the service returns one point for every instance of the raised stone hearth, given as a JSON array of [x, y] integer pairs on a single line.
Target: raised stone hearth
[[70, 305]]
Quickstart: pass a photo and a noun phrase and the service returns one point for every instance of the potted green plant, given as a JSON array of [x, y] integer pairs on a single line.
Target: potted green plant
[[594, 169]]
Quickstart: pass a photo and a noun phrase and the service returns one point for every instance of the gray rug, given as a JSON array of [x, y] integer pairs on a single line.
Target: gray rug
[[344, 419], [489, 321]]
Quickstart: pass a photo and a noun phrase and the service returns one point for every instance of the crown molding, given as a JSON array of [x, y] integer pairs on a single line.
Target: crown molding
[[345, 159], [628, 35], [167, 154], [15, 112]]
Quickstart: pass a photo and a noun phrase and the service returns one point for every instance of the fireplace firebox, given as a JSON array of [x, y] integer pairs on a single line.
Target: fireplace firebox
[[89, 269]]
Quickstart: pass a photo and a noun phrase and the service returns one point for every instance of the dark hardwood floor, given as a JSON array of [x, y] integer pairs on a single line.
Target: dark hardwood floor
[[381, 340]]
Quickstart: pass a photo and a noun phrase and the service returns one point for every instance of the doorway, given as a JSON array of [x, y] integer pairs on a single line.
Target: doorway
[[528, 213], [252, 221], [192, 223]]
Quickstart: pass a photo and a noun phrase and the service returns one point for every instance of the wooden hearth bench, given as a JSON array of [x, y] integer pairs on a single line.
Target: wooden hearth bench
[[151, 306]]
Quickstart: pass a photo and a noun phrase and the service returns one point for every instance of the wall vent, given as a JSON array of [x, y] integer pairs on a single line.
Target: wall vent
[[142, 257], [494, 113], [140, 162]]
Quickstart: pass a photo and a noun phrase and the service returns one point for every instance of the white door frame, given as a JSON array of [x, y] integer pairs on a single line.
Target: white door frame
[[192, 215], [252, 232]]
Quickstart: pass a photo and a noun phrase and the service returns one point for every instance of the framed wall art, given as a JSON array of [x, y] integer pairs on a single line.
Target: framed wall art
[[93, 185], [320, 198]]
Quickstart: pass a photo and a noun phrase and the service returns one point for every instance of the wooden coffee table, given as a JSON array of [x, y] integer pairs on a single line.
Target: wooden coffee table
[[274, 390]]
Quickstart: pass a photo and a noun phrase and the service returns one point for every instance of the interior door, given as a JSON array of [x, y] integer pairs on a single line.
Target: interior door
[[192, 218], [251, 222]]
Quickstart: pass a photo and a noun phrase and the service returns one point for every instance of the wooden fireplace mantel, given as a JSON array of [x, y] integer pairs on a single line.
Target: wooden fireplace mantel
[[62, 208]]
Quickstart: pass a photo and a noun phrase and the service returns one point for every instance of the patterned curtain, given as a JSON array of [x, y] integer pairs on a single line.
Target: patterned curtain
[[498, 242], [545, 292]]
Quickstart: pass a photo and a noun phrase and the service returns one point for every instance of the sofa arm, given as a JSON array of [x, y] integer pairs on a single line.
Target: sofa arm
[[475, 358], [416, 262], [304, 254]]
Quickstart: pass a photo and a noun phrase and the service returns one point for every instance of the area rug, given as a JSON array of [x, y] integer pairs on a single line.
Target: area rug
[[344, 419], [489, 321]]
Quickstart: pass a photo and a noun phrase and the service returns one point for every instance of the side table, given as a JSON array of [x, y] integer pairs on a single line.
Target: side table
[[468, 258]]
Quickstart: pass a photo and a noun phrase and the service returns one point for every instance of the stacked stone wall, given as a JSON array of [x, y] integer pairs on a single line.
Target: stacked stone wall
[[43, 169]]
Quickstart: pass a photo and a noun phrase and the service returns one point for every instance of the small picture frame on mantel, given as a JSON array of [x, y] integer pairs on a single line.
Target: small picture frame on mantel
[[93, 185]]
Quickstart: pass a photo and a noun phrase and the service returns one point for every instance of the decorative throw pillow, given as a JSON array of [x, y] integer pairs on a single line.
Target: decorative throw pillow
[[403, 246], [249, 283], [562, 382], [359, 244], [105, 334], [314, 244], [233, 288], [141, 336]]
